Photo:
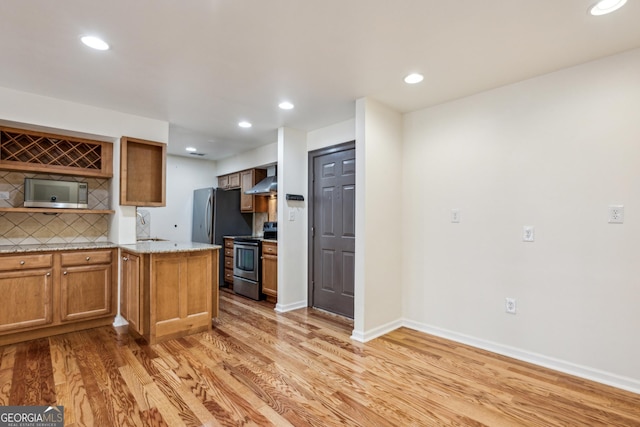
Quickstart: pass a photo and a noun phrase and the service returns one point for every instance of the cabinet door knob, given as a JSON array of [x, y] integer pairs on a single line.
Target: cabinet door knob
[[21, 262], [88, 258], [124, 258], [48, 274], [65, 273]]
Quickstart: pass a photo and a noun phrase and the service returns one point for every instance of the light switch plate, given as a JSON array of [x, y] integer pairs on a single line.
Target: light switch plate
[[455, 215], [528, 234], [4, 195]]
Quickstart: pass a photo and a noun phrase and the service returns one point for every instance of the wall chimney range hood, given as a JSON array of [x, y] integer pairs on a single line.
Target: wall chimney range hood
[[267, 186]]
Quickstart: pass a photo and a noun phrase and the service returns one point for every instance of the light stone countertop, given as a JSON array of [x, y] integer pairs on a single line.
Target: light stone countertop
[[159, 247], [140, 247], [48, 247]]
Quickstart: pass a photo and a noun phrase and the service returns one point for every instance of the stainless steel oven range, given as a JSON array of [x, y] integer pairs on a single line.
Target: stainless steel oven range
[[246, 267]]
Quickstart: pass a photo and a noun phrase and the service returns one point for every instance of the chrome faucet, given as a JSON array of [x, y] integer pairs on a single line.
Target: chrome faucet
[[142, 221]]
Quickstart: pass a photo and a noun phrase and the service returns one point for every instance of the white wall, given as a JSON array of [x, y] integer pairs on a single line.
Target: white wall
[[331, 135], [379, 195], [264, 155], [173, 222], [552, 152], [292, 234], [84, 120]]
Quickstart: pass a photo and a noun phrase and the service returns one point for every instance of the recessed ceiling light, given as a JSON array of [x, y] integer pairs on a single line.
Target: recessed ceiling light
[[286, 105], [244, 124], [606, 6], [94, 42], [191, 149], [413, 78]]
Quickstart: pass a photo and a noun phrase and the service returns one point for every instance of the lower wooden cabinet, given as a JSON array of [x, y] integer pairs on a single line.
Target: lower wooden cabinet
[[86, 285], [30, 299], [228, 261], [270, 269], [169, 295], [48, 293], [131, 291]]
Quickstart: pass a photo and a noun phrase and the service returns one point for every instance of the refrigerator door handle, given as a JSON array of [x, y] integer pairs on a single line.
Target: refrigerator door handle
[[206, 215]]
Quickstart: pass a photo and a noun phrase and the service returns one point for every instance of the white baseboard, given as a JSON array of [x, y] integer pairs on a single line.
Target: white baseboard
[[283, 308], [586, 372], [119, 321], [376, 332]]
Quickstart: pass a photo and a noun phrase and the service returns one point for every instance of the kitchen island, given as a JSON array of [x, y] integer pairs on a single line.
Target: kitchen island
[[168, 289]]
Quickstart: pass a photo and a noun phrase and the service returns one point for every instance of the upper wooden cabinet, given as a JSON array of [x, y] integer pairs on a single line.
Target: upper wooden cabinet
[[230, 181], [39, 152], [142, 172], [251, 203]]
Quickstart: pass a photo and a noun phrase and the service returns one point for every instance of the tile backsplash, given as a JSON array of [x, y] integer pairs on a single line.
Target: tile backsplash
[[17, 228]]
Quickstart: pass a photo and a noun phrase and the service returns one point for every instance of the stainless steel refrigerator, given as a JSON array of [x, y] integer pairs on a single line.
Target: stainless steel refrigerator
[[216, 213]]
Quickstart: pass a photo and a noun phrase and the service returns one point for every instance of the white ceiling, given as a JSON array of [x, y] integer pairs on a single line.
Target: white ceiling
[[204, 65]]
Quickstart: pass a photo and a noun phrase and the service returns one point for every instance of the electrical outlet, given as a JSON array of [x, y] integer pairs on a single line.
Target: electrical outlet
[[616, 214], [528, 233], [510, 305], [455, 215], [4, 195]]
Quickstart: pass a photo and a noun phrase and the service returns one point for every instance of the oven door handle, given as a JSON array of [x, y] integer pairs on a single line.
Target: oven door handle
[[251, 244]]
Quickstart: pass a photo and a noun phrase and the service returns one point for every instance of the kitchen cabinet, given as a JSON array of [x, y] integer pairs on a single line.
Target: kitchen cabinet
[[270, 269], [48, 293], [131, 297], [26, 289], [40, 152], [169, 295], [142, 172], [230, 181], [228, 261], [251, 203], [85, 285]]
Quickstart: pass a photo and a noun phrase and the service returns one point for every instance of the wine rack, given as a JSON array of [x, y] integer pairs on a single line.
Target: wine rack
[[31, 151]]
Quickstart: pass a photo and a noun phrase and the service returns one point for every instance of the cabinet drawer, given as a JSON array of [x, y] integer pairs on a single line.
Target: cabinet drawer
[[228, 262], [269, 248], [85, 257], [228, 252], [228, 275], [23, 262], [228, 243]]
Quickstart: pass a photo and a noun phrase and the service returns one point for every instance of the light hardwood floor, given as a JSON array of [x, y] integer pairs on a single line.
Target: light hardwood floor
[[260, 368]]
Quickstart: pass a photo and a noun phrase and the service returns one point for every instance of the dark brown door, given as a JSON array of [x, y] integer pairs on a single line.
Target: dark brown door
[[332, 243]]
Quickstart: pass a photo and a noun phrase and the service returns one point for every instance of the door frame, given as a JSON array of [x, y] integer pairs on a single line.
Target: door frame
[[312, 155]]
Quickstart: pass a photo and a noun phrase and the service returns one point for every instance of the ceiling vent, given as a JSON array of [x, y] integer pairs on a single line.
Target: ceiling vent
[[198, 154]]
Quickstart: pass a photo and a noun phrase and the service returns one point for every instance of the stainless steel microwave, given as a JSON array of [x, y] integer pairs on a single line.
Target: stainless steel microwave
[[48, 193]]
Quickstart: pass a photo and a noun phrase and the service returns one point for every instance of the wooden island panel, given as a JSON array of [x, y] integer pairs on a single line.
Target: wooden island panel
[[171, 295]]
